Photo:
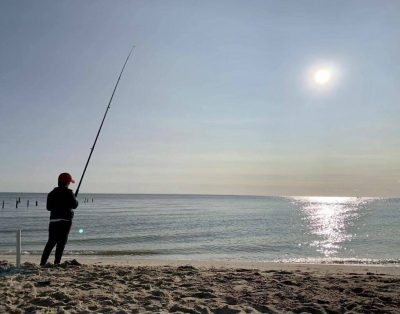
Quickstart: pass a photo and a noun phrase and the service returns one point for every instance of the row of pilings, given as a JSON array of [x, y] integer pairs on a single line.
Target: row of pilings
[[36, 203]]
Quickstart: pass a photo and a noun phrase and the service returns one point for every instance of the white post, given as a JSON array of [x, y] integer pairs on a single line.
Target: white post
[[18, 250]]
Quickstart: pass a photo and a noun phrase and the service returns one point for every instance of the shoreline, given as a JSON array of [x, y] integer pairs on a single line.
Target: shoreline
[[127, 260]]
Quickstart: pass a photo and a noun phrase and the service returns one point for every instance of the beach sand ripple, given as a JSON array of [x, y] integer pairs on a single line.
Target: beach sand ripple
[[76, 288]]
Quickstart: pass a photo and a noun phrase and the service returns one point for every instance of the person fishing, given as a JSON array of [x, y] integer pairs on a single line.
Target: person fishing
[[60, 202]]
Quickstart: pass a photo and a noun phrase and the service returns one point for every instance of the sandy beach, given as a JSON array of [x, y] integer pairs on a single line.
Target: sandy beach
[[105, 285]]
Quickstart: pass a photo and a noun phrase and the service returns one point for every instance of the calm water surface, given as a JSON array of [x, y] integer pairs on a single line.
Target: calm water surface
[[342, 229]]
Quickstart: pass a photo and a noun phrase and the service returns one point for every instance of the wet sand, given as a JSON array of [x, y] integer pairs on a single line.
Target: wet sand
[[106, 285]]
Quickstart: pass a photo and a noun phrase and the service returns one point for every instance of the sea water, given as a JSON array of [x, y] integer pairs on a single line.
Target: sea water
[[204, 227]]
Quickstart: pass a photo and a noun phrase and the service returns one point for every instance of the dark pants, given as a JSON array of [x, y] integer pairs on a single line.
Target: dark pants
[[58, 235]]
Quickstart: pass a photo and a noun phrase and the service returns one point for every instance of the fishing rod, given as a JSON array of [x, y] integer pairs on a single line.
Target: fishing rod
[[101, 125]]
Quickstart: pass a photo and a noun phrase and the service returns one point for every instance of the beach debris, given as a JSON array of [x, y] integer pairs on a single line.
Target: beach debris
[[28, 265], [5, 266], [186, 267], [69, 263]]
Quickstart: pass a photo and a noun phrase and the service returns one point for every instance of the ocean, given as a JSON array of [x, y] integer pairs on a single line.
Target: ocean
[[208, 227]]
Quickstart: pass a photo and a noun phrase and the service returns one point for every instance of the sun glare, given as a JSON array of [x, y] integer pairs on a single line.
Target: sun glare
[[322, 76]]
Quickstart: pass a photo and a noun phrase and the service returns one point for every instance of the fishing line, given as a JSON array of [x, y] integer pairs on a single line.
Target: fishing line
[[101, 125]]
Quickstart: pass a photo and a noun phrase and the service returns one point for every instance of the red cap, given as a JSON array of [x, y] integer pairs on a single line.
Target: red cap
[[65, 178]]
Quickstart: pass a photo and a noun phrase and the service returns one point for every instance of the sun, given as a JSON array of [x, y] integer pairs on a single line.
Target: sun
[[322, 76]]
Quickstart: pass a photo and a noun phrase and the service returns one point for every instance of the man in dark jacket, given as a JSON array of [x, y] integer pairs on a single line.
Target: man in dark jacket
[[60, 202]]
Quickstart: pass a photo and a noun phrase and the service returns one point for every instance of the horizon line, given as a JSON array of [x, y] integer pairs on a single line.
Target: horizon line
[[201, 194]]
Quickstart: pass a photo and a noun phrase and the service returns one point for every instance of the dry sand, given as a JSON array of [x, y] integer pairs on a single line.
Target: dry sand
[[151, 286]]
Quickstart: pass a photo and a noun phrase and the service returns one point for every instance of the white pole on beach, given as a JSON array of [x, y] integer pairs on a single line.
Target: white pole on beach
[[18, 249]]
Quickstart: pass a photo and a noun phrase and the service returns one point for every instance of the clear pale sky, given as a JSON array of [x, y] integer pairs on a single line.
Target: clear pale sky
[[217, 98]]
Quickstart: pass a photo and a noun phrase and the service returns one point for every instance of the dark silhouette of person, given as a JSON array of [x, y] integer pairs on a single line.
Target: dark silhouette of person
[[60, 202]]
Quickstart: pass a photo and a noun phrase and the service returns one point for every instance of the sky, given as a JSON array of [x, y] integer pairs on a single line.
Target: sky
[[219, 97]]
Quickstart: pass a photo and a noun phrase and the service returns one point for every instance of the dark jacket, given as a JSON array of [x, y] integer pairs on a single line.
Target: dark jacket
[[61, 202]]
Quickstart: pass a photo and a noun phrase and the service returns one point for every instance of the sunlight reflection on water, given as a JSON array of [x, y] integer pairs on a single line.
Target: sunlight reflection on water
[[329, 219]]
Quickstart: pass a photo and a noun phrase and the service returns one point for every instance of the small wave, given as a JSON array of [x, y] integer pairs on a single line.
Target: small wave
[[115, 252], [94, 253], [341, 261]]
